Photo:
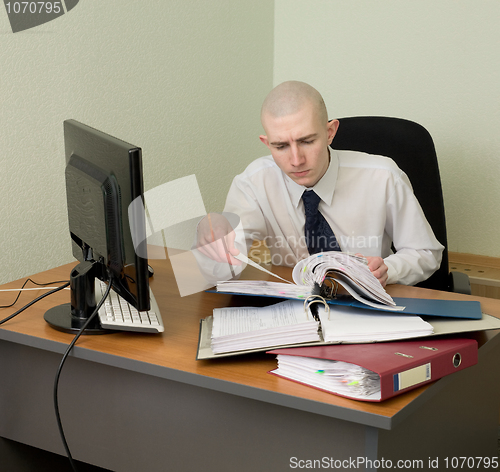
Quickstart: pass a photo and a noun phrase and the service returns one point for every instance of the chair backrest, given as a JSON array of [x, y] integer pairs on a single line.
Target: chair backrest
[[410, 145]]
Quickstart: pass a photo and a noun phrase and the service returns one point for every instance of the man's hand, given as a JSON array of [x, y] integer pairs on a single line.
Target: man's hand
[[215, 239], [378, 269]]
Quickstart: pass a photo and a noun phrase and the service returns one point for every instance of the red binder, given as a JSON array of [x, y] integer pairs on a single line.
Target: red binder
[[401, 365]]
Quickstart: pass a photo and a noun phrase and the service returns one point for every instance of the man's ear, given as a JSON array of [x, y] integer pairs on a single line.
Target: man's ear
[[264, 139], [332, 127]]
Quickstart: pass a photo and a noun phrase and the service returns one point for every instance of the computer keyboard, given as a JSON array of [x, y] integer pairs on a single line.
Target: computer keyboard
[[116, 313]]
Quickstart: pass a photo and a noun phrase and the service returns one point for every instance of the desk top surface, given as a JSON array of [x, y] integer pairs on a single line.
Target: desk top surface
[[173, 353]]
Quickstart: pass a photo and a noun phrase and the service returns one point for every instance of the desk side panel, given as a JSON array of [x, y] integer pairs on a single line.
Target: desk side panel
[[458, 417]]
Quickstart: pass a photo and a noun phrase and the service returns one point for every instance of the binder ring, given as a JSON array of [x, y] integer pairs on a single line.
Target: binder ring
[[332, 289], [315, 299]]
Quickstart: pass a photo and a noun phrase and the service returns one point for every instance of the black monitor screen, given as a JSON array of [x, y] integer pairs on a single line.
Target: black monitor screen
[[103, 177]]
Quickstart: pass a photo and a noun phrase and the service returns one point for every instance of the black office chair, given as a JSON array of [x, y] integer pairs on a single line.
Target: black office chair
[[410, 145]]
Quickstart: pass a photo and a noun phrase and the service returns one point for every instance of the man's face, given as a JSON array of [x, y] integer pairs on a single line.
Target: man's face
[[299, 144]]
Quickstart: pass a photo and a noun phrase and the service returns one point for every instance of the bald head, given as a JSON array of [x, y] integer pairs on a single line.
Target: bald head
[[291, 97], [298, 132]]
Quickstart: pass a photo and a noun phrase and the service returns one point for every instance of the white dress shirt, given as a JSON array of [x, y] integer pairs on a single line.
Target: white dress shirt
[[367, 200]]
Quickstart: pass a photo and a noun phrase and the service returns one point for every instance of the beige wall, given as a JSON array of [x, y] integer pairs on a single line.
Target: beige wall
[[183, 79], [435, 62]]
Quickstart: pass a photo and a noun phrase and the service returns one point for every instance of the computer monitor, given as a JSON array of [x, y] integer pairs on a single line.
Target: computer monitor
[[103, 177]]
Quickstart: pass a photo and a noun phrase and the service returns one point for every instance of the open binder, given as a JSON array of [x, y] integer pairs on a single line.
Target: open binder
[[332, 325], [322, 275]]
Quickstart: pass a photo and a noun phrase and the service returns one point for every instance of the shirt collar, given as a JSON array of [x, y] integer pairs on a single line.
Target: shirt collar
[[325, 187]]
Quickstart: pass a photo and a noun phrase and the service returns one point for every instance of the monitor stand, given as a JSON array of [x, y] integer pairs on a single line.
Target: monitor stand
[[70, 317]]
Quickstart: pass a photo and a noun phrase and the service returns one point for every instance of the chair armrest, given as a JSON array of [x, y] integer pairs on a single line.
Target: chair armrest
[[459, 283]]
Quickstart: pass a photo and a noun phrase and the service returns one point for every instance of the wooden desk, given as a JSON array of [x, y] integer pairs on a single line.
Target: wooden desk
[[134, 402]]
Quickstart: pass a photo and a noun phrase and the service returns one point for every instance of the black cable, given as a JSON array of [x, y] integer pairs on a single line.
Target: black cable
[[24, 285], [58, 374], [33, 301]]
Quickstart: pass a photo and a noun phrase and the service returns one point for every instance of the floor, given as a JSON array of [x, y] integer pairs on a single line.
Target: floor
[[17, 457], [41, 461]]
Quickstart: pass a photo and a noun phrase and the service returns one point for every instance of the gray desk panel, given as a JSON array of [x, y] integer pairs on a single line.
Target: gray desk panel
[[129, 421], [223, 386], [365, 418]]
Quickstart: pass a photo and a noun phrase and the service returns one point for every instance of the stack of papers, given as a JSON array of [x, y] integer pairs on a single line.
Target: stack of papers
[[342, 378], [236, 329], [345, 324], [263, 288]]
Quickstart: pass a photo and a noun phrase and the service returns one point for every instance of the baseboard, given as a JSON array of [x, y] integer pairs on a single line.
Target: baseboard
[[474, 259], [483, 272]]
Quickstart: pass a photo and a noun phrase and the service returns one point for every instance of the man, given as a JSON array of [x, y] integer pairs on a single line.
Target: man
[[366, 201]]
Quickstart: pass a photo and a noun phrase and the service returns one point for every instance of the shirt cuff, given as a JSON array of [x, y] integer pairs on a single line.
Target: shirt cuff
[[392, 275]]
